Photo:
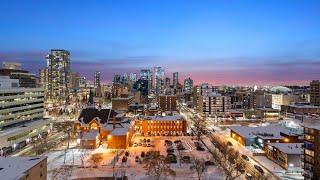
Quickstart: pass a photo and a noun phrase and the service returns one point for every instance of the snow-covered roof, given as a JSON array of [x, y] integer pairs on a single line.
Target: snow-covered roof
[[303, 106], [280, 89], [317, 127], [91, 135], [163, 118], [15, 167], [263, 132], [120, 131], [288, 148]]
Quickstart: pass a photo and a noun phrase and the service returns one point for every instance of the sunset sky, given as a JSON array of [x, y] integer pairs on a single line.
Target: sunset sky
[[220, 42]]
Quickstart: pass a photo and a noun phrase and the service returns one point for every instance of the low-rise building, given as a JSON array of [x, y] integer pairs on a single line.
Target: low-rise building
[[262, 135], [23, 168], [268, 113], [162, 125], [300, 109], [287, 155]]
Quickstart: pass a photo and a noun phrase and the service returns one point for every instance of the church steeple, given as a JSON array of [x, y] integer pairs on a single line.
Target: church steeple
[[90, 101]]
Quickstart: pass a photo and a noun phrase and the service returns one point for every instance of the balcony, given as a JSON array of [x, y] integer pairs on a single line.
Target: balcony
[[8, 110], [15, 103]]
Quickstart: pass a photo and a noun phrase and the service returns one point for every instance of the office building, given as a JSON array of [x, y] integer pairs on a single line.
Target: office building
[[44, 78], [262, 100], [159, 80], [74, 81], [315, 92], [175, 80], [311, 158], [188, 85], [132, 78], [167, 83], [97, 84], [142, 87], [279, 100], [21, 115], [146, 75], [97, 79], [167, 102], [119, 89], [213, 104], [116, 78], [204, 89], [58, 72], [122, 103], [11, 65], [14, 71]]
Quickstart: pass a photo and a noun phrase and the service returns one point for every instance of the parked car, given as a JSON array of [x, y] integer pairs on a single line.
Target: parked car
[[143, 154], [171, 158], [170, 151], [180, 147], [168, 142], [258, 168], [209, 163], [200, 148], [245, 157], [124, 159], [127, 153], [137, 159], [186, 159], [249, 176]]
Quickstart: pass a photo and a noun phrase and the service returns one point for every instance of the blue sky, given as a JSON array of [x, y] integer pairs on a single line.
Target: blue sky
[[223, 42]]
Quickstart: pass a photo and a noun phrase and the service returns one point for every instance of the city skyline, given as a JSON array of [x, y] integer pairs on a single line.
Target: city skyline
[[234, 43]]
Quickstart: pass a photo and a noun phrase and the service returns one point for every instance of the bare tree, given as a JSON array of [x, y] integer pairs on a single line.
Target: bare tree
[[199, 127], [83, 156], [229, 160], [41, 145], [265, 177], [235, 166], [157, 166], [199, 166], [96, 159]]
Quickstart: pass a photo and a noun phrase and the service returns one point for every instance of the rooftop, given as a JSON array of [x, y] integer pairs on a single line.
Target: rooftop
[[268, 132], [103, 115], [317, 127], [121, 130], [15, 167], [163, 118], [288, 148], [91, 135], [280, 89]]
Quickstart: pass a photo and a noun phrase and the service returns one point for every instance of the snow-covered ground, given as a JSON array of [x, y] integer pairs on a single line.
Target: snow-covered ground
[[59, 162]]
